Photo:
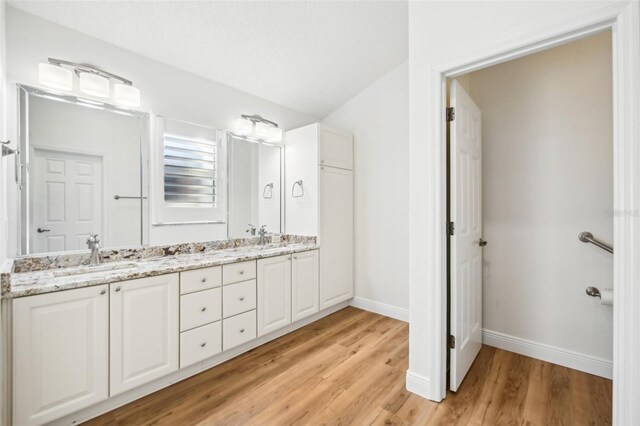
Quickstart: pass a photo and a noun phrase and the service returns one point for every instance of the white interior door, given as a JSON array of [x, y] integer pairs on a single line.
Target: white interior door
[[466, 241], [67, 200]]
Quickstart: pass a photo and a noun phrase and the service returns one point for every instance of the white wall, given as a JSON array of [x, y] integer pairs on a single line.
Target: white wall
[[378, 119], [547, 175], [165, 90], [4, 224], [440, 32]]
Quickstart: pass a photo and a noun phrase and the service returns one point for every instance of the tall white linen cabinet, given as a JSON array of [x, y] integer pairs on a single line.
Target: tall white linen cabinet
[[319, 202]]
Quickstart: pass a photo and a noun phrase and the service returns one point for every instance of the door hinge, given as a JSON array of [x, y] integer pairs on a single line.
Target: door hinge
[[450, 228], [451, 342], [451, 114]]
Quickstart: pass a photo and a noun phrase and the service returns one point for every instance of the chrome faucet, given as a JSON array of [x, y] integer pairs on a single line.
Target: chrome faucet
[[251, 230], [93, 242], [263, 235]]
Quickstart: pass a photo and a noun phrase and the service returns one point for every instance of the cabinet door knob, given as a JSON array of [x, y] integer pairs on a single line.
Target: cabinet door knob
[[203, 344], [204, 280], [204, 308], [321, 161], [103, 291], [118, 288], [242, 330], [241, 298], [295, 257], [241, 272]]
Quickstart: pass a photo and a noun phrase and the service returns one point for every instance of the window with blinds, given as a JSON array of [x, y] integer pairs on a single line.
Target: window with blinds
[[190, 171]]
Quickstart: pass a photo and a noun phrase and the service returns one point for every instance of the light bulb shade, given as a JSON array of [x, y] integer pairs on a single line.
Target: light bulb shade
[[93, 84], [126, 95], [275, 134], [262, 130], [244, 126], [55, 76]]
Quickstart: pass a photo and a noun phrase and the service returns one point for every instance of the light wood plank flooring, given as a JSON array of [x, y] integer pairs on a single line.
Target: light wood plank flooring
[[349, 368]]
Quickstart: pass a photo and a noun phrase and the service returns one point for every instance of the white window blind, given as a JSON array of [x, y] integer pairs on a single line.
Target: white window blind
[[190, 171]]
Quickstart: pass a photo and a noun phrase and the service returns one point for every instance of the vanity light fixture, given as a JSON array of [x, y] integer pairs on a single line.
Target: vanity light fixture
[[57, 74], [244, 126], [258, 129], [94, 84]]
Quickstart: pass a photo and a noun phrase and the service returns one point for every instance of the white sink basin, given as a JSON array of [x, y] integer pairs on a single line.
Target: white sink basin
[[82, 270]]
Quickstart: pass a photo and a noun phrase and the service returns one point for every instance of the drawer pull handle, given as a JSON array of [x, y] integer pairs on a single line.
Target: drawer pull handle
[[242, 330], [204, 280], [204, 308], [203, 344], [117, 288], [241, 298], [241, 272]]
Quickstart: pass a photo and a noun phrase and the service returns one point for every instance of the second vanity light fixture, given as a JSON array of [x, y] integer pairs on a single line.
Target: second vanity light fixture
[[258, 128], [58, 74]]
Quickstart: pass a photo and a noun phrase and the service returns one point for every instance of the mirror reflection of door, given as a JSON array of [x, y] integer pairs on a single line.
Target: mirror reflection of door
[[67, 200]]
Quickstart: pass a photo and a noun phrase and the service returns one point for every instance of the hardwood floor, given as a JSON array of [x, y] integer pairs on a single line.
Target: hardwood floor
[[349, 368]]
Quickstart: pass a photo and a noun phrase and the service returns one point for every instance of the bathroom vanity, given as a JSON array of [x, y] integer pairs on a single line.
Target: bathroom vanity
[[82, 341]]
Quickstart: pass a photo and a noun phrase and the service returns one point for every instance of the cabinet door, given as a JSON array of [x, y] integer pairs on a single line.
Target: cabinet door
[[61, 349], [336, 236], [304, 284], [144, 330], [274, 293], [335, 149]]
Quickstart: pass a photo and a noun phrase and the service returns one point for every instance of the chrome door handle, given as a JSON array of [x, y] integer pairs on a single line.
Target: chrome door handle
[[41, 230], [482, 243]]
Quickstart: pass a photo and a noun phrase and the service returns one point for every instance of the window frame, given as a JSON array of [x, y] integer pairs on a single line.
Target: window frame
[[171, 213]]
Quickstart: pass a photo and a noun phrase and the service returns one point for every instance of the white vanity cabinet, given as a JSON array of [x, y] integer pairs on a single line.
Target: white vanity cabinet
[[61, 348], [274, 293], [336, 236], [304, 284], [144, 330], [319, 183]]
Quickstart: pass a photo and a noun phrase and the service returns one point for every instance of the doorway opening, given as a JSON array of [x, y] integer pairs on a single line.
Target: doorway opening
[[530, 167]]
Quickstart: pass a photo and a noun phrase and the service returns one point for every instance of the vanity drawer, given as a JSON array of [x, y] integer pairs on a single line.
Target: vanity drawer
[[236, 272], [200, 308], [200, 343], [200, 279], [238, 330], [238, 298]]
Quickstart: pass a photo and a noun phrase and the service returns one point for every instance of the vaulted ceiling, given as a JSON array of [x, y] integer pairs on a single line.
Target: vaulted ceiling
[[310, 56]]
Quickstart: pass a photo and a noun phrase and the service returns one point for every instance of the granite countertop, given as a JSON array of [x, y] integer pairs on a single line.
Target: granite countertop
[[50, 280]]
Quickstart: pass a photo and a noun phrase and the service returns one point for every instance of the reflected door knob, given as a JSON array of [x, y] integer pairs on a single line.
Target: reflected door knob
[[482, 243], [41, 230]]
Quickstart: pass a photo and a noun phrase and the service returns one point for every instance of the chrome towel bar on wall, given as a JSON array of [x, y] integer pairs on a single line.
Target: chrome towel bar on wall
[[293, 189], [122, 197], [587, 237]]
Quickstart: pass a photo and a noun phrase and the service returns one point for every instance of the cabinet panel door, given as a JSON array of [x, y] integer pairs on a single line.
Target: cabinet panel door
[[144, 330], [336, 149], [274, 293], [61, 349], [336, 236], [304, 284]]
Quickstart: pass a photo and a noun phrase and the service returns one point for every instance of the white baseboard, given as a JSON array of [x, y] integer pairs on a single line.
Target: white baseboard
[[401, 314], [577, 361], [418, 384]]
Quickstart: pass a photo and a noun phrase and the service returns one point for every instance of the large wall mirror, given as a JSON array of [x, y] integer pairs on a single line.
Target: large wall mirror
[[83, 172], [255, 198]]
